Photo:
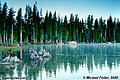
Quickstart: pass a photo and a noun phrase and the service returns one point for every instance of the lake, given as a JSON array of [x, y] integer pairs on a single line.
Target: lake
[[68, 62]]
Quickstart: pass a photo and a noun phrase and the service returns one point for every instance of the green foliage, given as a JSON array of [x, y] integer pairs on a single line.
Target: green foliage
[[32, 42], [65, 28], [35, 27], [104, 41], [26, 43]]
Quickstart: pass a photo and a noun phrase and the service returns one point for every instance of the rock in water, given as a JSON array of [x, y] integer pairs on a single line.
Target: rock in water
[[46, 54], [14, 59], [41, 54], [6, 59], [32, 56]]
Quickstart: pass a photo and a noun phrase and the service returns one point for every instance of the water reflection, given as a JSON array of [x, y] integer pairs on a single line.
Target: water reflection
[[67, 62]]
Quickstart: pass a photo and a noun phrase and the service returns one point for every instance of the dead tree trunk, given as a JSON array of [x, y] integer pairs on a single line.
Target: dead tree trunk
[[21, 33], [34, 33], [4, 32], [12, 35]]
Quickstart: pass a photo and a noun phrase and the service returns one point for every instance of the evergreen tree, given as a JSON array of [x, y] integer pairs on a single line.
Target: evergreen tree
[[46, 28], [41, 13], [26, 23], [35, 31], [41, 27], [24, 31], [54, 28], [84, 30], [118, 31], [0, 24], [19, 22], [65, 29], [35, 28], [71, 28], [114, 30], [30, 27], [41, 32], [104, 31], [4, 17], [89, 29], [77, 26], [38, 27], [95, 33], [92, 28], [100, 29], [109, 29], [60, 29], [50, 26], [11, 22]]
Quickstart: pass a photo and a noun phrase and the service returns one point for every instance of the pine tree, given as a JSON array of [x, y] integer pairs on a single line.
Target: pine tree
[[30, 26], [65, 29], [46, 24], [77, 31], [50, 26], [35, 31], [4, 16], [114, 30], [38, 27], [41, 27], [19, 22], [82, 27], [118, 31], [104, 31], [71, 28], [35, 28], [109, 29], [89, 29], [92, 29], [95, 33], [101, 29], [0, 24], [54, 28], [26, 21], [41, 12], [41, 32], [24, 31], [60, 29], [11, 24]]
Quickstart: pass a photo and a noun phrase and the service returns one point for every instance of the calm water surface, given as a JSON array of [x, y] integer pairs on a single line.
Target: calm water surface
[[73, 62]]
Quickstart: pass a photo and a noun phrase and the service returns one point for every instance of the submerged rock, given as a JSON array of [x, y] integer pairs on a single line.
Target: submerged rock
[[41, 54], [11, 58], [14, 59], [46, 54], [6, 59]]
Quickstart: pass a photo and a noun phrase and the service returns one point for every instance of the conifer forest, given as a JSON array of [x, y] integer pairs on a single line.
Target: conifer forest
[[34, 28]]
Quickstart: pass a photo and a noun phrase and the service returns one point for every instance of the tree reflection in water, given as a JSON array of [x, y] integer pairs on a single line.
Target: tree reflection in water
[[80, 60]]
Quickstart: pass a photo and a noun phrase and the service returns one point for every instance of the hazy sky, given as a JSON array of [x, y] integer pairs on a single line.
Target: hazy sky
[[99, 8]]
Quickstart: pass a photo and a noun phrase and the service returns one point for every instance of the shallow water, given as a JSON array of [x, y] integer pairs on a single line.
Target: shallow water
[[73, 62]]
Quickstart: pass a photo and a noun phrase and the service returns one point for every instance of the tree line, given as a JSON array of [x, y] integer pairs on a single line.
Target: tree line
[[32, 27]]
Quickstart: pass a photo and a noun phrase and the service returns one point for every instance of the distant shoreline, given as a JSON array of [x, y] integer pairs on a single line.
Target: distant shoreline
[[3, 48]]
